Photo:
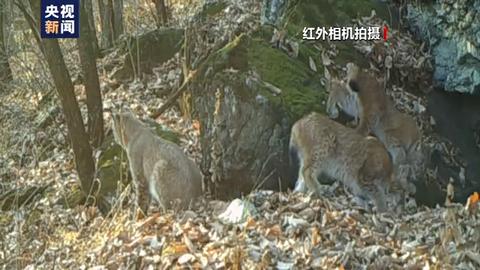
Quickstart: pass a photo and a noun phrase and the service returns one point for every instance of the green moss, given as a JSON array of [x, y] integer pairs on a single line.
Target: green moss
[[301, 88], [213, 9], [74, 197], [232, 55], [166, 133]]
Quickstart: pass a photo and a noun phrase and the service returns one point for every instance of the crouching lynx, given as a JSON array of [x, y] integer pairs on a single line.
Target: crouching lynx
[[362, 164], [160, 170]]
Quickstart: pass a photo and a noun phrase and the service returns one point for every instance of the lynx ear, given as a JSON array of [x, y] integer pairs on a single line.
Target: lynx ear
[[326, 73], [352, 70]]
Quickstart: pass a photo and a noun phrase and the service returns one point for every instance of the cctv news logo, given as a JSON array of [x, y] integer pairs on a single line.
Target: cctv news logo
[[59, 19], [345, 33]]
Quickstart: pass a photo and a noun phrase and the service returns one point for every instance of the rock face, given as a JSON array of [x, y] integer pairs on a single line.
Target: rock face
[[452, 28], [272, 10], [457, 118]]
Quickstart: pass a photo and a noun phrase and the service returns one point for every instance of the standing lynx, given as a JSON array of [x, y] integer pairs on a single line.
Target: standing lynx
[[160, 170], [362, 164], [378, 115]]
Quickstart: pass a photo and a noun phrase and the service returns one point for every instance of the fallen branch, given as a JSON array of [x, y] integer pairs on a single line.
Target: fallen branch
[[191, 76], [173, 97]]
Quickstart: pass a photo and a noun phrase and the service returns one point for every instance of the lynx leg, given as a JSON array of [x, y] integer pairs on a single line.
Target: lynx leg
[[141, 192], [300, 184], [397, 152], [309, 176], [158, 183], [362, 127], [379, 200], [403, 173], [361, 202], [139, 183]]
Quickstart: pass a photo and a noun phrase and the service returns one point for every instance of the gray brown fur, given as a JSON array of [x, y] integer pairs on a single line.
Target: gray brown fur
[[324, 146], [340, 97], [160, 170], [396, 130]]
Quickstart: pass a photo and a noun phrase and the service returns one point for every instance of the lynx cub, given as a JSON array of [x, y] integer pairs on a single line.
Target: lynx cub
[[397, 131], [160, 170], [324, 146]]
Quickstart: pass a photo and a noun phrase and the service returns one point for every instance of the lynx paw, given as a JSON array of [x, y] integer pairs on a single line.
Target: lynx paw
[[300, 186]]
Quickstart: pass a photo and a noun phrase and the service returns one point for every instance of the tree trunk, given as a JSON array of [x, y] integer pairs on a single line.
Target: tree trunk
[[78, 137], [92, 84], [106, 20], [117, 19], [161, 15], [93, 30], [32, 22], [63, 83], [5, 71]]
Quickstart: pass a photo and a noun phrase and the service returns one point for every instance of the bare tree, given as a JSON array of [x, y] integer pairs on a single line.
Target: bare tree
[[161, 12], [117, 18], [111, 12], [5, 70], [91, 22], [32, 23], [82, 150], [106, 15], [92, 84]]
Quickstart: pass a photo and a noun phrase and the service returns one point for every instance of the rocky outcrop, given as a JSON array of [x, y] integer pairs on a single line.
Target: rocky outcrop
[[452, 28]]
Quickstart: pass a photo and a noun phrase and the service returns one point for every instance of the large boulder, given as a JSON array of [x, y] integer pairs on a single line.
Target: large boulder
[[452, 28], [248, 94], [142, 53]]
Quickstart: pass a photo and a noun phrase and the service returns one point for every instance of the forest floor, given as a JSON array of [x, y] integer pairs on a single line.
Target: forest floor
[[264, 230]]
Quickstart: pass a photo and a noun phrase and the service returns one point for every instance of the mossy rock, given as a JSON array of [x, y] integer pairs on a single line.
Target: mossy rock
[[212, 9], [74, 197], [301, 87], [250, 124], [149, 50]]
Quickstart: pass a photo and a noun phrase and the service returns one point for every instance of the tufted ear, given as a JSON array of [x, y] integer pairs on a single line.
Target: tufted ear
[[326, 73]]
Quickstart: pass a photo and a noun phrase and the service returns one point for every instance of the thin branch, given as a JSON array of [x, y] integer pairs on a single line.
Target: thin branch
[[173, 97]]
